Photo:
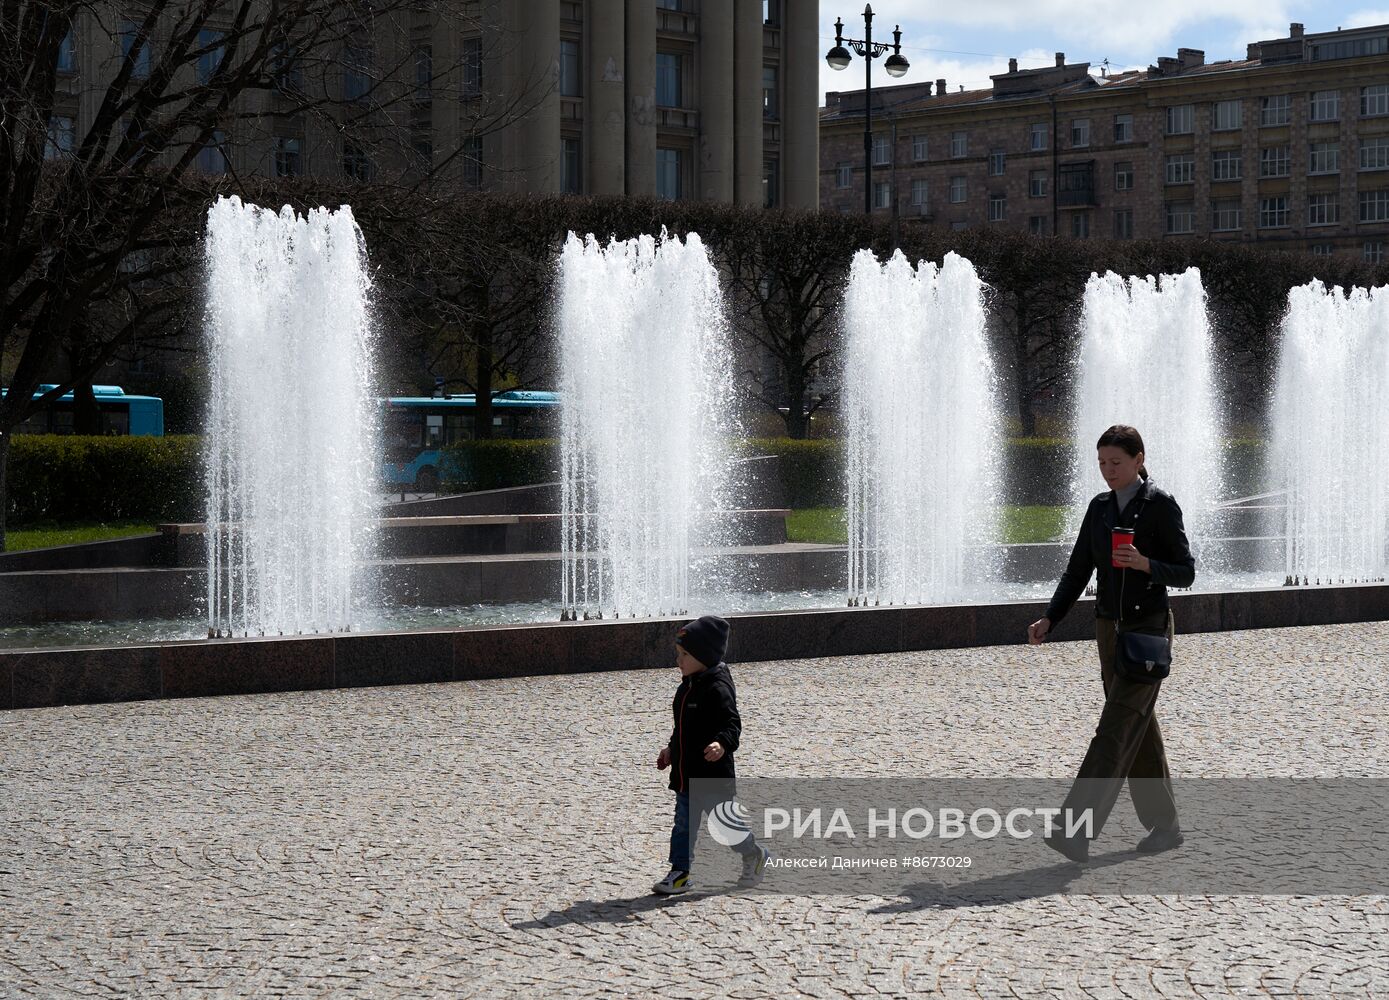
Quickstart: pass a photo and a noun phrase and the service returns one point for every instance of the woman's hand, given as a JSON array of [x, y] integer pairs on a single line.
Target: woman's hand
[[1129, 557], [713, 751], [663, 759], [1037, 631]]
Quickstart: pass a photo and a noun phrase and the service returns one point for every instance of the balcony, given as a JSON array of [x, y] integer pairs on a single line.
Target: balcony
[[680, 118], [1075, 185], [677, 22]]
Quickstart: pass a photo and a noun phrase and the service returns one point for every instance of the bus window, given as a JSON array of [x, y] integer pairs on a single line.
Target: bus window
[[115, 420], [459, 427], [434, 423]]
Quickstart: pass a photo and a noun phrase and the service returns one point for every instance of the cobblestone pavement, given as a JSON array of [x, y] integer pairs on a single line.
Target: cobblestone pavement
[[498, 838]]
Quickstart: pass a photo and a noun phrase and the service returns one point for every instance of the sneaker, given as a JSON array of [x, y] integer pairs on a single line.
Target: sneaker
[[1076, 849], [754, 867], [1159, 840], [673, 884]]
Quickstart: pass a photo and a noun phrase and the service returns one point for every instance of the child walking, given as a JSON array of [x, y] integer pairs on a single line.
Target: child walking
[[706, 734]]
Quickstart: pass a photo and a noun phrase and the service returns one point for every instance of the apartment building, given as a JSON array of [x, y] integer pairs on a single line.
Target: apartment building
[[1288, 146], [705, 99]]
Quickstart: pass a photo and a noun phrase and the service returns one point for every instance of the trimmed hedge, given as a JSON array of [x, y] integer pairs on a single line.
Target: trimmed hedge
[[495, 465], [55, 477]]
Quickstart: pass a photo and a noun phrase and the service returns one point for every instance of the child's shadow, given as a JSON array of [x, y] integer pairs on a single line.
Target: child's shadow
[[612, 911], [1011, 887]]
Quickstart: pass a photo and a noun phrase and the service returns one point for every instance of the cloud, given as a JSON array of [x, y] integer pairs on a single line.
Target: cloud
[[1363, 19], [972, 73]]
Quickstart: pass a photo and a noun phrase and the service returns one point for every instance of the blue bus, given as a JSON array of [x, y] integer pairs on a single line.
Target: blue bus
[[417, 429], [120, 413]]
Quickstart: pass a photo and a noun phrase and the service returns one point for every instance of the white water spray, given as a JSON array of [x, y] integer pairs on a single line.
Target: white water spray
[[1146, 360], [292, 440], [924, 444], [1330, 431], [645, 370]]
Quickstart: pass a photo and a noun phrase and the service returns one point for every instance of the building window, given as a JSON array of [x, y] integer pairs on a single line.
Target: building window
[[67, 54], [882, 195], [1080, 132], [1273, 212], [1227, 116], [1275, 110], [570, 69], [1080, 225], [1180, 119], [998, 207], [675, 4], [1374, 100], [1351, 48], [843, 174], [1323, 209], [997, 162], [668, 80], [1374, 252], [1274, 161], [769, 95], [1037, 225], [771, 12], [1123, 128], [1325, 106], [882, 151], [918, 148], [1374, 206], [210, 51], [771, 182], [958, 227], [472, 67], [1374, 154], [1038, 137], [1322, 249], [1227, 165], [1181, 217], [356, 165], [1181, 168], [472, 161], [1324, 158], [1227, 214], [288, 158], [356, 72], [918, 191], [959, 144], [1037, 184], [1123, 224], [212, 158], [62, 136], [958, 190], [1123, 176], [571, 165], [133, 49], [668, 174]]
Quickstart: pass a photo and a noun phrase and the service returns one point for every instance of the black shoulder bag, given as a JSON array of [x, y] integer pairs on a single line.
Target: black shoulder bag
[[1138, 656]]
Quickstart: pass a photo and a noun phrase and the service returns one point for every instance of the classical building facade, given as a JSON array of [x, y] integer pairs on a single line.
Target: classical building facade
[[1289, 146], [701, 99]]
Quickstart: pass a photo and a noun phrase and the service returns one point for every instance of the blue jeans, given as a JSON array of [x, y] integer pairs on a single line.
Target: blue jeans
[[683, 836]]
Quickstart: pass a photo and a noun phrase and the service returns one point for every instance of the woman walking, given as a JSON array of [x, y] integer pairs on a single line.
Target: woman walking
[[1131, 597]]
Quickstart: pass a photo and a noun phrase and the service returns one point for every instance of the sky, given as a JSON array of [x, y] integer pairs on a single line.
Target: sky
[[966, 42]]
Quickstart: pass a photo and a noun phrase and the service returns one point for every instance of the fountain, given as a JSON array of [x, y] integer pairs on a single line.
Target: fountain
[[1330, 429], [645, 364], [922, 429], [1146, 360], [291, 424]]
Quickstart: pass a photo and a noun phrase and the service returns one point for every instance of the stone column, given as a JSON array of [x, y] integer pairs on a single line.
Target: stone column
[[641, 98], [800, 128], [604, 132], [716, 143], [747, 103], [531, 52]]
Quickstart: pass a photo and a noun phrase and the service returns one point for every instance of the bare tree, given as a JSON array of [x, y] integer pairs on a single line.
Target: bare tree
[[100, 227]]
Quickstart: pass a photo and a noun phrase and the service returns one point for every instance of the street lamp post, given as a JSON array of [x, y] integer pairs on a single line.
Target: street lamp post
[[896, 65]]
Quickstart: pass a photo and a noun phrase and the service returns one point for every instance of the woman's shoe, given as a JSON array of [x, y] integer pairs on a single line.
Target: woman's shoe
[[1160, 840], [1076, 849], [673, 884]]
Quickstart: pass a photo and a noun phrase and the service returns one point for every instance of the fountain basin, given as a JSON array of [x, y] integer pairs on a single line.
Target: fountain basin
[[94, 674]]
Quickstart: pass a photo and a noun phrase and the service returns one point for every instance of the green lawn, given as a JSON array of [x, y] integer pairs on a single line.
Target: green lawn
[[826, 525], [42, 536]]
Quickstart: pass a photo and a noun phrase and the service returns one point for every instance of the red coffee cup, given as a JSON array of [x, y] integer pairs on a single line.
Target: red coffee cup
[[1117, 537]]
